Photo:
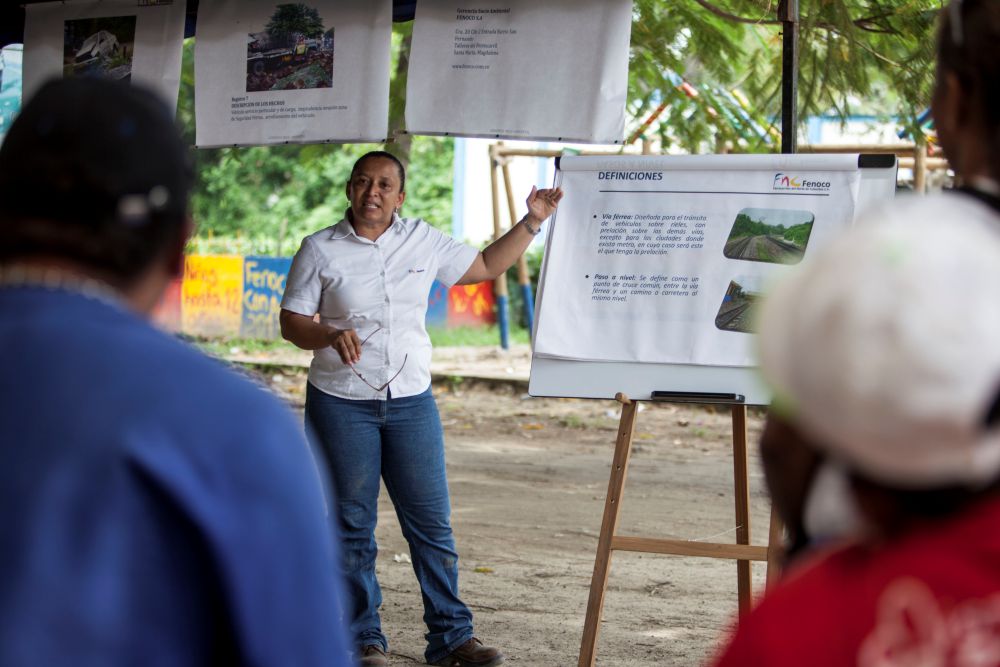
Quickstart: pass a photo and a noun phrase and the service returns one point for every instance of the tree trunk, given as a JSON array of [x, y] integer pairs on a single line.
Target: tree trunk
[[400, 145]]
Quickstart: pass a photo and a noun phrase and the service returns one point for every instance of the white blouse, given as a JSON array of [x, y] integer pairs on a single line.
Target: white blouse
[[380, 289]]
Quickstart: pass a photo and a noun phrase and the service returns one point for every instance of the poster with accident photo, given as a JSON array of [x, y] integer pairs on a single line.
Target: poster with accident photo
[[520, 69], [123, 40], [270, 72]]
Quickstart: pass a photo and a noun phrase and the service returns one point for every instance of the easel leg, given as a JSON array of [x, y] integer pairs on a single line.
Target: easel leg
[[612, 505], [741, 476], [775, 550]]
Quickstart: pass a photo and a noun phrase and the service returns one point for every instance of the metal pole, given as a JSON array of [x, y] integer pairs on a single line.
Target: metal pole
[[788, 14]]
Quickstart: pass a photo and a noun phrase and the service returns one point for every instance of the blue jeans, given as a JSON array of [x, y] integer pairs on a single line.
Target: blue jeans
[[400, 439]]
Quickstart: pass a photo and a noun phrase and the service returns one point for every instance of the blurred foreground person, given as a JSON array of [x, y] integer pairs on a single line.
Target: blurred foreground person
[[966, 110], [883, 355], [155, 509]]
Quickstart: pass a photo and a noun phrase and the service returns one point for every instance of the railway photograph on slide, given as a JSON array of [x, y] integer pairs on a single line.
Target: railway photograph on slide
[[769, 235], [739, 304]]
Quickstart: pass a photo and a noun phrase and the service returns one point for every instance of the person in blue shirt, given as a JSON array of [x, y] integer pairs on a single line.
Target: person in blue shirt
[[155, 508]]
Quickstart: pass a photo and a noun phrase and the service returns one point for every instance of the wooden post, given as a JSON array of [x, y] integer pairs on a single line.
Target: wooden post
[[608, 541], [775, 550], [500, 284], [523, 279], [742, 492], [522, 267], [920, 166], [612, 507]]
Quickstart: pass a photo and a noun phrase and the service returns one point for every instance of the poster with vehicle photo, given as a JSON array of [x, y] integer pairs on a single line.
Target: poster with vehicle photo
[[271, 72], [123, 40]]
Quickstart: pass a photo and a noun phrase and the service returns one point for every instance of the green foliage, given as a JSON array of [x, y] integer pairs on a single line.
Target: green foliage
[[440, 337], [475, 336], [673, 43], [799, 234], [869, 56], [289, 20], [691, 60], [747, 226], [263, 199], [763, 253], [224, 347], [429, 191]]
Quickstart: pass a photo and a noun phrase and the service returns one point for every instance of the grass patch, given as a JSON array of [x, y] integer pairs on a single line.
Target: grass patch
[[763, 254], [475, 336], [221, 347], [597, 423], [573, 421], [440, 337]]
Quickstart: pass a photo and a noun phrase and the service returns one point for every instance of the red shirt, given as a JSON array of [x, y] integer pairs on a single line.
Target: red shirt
[[930, 598]]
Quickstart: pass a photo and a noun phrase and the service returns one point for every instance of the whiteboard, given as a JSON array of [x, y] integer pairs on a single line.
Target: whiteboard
[[554, 377]]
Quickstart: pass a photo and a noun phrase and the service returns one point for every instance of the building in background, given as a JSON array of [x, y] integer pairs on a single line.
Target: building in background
[[472, 199]]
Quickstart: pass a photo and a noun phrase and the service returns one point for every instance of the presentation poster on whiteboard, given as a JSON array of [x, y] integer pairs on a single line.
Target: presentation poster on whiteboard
[[520, 69], [664, 259], [124, 40], [270, 72]]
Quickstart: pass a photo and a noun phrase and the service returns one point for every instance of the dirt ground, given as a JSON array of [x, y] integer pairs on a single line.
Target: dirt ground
[[528, 479]]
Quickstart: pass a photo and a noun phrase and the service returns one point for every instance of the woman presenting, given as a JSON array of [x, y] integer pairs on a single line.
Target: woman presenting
[[368, 400]]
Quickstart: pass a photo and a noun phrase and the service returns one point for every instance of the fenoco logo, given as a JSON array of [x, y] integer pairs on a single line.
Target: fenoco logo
[[793, 182]]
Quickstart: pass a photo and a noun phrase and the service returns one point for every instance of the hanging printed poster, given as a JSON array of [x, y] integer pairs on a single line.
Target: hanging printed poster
[[269, 72], [126, 40], [520, 69]]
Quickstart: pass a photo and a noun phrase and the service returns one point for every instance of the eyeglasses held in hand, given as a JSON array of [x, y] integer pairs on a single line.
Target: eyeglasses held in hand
[[362, 377]]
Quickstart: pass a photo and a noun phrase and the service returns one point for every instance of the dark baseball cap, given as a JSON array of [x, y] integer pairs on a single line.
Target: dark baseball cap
[[82, 144], [94, 160]]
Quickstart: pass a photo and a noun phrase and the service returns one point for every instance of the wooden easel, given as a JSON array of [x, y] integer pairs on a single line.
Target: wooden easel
[[742, 552]]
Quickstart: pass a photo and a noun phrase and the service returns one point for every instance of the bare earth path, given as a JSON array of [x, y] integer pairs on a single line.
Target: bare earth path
[[528, 479]]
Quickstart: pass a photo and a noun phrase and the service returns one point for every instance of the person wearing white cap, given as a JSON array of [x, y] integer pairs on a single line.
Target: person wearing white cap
[[883, 353], [966, 111]]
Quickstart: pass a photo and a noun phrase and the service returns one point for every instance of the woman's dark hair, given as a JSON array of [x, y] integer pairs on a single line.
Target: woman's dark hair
[[385, 155], [969, 47], [95, 172]]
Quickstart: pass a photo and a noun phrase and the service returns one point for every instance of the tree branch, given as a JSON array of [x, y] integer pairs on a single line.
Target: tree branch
[[733, 17], [867, 23]]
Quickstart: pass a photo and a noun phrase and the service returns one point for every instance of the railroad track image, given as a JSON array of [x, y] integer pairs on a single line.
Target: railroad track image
[[769, 248], [738, 309], [776, 236]]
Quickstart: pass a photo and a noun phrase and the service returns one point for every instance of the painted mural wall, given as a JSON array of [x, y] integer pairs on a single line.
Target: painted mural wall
[[228, 295]]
